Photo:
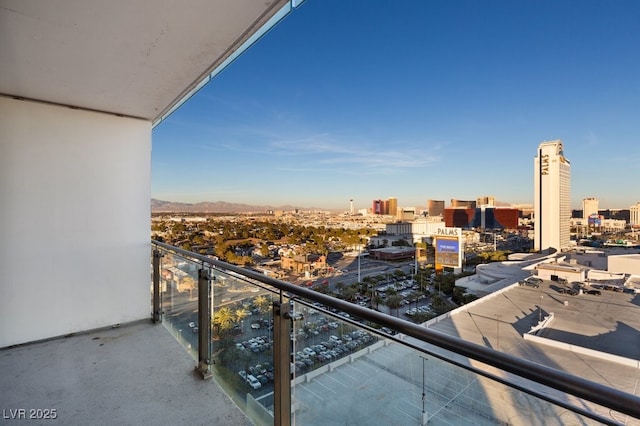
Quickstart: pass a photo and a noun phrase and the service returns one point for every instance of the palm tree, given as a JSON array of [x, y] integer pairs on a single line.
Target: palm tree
[[393, 302], [241, 314], [262, 303], [223, 319], [377, 299], [415, 295], [349, 293]]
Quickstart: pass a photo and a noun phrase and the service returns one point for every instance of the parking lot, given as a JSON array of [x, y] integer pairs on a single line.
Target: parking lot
[[316, 341]]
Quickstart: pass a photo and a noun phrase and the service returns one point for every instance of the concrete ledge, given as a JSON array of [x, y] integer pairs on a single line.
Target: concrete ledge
[[584, 351]]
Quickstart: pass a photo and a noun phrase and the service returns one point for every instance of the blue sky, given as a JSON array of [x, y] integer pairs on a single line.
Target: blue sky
[[371, 99]]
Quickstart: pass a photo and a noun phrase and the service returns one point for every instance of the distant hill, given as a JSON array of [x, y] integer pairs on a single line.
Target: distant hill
[[159, 206]]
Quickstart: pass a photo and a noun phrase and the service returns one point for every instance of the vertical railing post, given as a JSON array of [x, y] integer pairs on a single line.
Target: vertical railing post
[[282, 363], [204, 324], [157, 312]]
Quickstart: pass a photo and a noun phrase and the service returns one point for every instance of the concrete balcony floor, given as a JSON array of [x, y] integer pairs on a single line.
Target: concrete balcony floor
[[136, 374]]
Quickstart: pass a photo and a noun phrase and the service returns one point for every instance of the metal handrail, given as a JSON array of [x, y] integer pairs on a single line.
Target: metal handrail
[[597, 393]]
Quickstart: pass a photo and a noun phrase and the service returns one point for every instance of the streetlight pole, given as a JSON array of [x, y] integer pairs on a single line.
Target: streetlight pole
[[358, 262]]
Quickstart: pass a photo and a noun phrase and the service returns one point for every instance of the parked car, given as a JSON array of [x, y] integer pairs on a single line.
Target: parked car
[[594, 292], [529, 283], [253, 382]]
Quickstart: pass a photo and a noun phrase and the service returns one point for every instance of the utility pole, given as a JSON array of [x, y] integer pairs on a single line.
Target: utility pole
[[358, 262]]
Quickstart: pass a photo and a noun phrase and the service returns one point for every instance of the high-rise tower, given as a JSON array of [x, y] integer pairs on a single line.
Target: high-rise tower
[[552, 203], [589, 207], [435, 207], [634, 212], [393, 206]]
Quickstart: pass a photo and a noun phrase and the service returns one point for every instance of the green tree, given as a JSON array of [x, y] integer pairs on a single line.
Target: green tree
[[377, 299], [399, 273], [262, 303], [241, 313], [223, 319], [415, 296], [349, 293], [394, 302]]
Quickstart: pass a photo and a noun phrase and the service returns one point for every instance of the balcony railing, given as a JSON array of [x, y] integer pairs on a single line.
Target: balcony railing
[[287, 354]]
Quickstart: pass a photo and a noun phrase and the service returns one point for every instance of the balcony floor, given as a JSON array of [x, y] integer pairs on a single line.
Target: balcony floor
[[136, 374]]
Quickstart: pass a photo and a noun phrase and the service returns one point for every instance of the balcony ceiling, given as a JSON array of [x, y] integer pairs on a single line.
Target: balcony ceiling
[[131, 57]]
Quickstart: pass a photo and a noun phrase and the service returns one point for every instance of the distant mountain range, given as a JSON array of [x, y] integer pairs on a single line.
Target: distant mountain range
[[159, 206]]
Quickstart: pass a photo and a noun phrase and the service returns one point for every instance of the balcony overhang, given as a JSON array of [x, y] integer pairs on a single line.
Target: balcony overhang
[[134, 58]]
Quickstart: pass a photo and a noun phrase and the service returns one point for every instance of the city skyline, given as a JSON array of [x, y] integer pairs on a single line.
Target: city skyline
[[358, 102]]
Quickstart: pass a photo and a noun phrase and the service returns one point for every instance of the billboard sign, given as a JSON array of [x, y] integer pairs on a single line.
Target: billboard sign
[[448, 232], [595, 220], [448, 247]]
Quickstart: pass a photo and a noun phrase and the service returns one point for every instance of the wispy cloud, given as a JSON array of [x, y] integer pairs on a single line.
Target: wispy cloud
[[326, 149]]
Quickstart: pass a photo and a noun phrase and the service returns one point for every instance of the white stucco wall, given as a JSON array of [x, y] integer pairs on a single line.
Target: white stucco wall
[[74, 220], [625, 264]]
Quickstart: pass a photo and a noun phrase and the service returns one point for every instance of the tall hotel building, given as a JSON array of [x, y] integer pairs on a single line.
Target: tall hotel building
[[487, 201], [385, 207], [392, 206], [552, 203], [462, 204], [589, 207], [634, 211], [435, 207]]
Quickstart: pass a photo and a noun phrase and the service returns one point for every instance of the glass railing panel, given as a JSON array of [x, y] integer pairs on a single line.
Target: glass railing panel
[[348, 373], [242, 338], [179, 299]]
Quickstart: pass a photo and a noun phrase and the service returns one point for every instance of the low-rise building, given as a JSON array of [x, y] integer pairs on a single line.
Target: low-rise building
[[393, 253], [304, 263], [568, 271]]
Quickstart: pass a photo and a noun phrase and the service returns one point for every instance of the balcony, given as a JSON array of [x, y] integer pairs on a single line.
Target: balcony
[[132, 375], [315, 360], [81, 88]]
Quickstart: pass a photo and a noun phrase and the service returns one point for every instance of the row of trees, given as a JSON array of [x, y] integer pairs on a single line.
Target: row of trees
[[233, 241], [443, 283]]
